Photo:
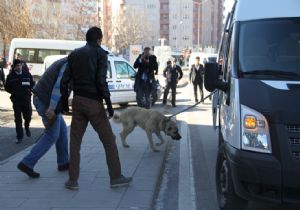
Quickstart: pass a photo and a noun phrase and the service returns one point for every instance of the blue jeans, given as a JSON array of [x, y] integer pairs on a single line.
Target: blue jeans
[[56, 134]]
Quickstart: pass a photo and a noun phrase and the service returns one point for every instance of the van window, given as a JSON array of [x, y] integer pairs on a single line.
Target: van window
[[42, 54], [27, 55], [38, 55], [123, 70], [270, 45]]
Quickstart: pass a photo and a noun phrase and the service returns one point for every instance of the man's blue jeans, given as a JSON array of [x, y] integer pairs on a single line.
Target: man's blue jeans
[[56, 134]]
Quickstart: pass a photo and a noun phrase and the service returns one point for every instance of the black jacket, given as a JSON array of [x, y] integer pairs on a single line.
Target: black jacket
[[88, 71], [173, 74], [196, 75], [19, 86], [149, 69]]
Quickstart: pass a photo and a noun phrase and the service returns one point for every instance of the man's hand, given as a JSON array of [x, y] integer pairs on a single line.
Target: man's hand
[[110, 111], [50, 114], [64, 105]]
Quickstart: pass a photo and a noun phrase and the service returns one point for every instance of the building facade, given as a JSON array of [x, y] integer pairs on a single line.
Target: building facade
[[150, 9], [191, 24]]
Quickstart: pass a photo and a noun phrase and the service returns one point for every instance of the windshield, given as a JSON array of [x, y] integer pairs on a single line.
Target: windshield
[[270, 46]]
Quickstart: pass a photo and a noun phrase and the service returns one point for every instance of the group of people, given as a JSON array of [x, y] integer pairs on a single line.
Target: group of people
[[84, 72], [145, 79]]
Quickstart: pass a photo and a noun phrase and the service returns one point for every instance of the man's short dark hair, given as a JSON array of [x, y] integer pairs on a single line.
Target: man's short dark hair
[[94, 34], [147, 48], [197, 58]]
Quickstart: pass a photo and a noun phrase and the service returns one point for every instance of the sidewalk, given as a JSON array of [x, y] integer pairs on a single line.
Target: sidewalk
[[17, 191]]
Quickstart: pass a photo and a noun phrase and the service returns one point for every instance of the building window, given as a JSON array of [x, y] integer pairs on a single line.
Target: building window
[[185, 17], [186, 38], [174, 38], [186, 6], [165, 6], [174, 27], [151, 6], [175, 16]]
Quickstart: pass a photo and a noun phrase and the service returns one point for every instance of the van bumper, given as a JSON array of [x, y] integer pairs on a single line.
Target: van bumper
[[256, 176]]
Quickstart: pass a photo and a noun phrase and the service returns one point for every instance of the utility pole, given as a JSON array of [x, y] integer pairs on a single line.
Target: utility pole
[[198, 21]]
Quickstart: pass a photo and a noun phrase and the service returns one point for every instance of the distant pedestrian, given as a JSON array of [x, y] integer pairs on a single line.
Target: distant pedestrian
[[2, 75], [19, 84], [47, 101], [88, 71], [197, 78], [147, 66], [173, 74]]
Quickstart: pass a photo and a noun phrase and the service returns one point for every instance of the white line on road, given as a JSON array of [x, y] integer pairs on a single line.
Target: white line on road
[[187, 198]]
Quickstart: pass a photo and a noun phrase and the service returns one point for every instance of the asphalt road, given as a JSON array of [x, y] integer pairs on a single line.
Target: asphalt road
[[204, 142]]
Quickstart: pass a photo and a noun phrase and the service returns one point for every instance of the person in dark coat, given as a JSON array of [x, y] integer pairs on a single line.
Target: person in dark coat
[[197, 78], [173, 74], [147, 67], [19, 84], [88, 72], [2, 75]]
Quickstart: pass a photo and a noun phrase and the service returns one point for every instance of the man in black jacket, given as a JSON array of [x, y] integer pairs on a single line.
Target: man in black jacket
[[173, 74], [88, 70], [147, 66], [2, 75], [196, 77], [19, 84]]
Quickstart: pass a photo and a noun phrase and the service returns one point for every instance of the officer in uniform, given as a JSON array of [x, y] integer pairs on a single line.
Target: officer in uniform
[[19, 84], [173, 74]]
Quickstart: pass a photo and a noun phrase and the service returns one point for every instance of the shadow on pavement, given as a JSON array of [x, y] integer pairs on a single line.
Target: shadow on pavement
[[8, 141]]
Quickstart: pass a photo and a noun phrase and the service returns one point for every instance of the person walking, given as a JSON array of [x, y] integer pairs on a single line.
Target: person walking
[[197, 78], [173, 74], [19, 84], [88, 70], [144, 82], [2, 75], [48, 103]]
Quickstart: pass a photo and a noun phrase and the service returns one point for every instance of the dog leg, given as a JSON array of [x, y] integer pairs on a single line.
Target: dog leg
[[126, 131], [162, 141], [149, 135]]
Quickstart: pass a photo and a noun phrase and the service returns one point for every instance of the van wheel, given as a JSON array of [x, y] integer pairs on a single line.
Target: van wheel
[[227, 198]]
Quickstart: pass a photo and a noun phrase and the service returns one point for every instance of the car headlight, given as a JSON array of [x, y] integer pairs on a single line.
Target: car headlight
[[255, 131]]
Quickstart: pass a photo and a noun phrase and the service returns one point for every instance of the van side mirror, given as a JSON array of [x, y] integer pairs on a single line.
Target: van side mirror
[[211, 78]]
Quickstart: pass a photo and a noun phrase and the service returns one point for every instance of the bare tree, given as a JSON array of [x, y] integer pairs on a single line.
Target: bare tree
[[131, 27], [15, 21]]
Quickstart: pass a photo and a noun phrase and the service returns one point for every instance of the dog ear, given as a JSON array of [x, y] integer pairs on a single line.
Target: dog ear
[[163, 123]]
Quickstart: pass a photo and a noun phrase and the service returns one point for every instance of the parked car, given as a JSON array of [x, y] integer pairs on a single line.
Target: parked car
[[120, 78]]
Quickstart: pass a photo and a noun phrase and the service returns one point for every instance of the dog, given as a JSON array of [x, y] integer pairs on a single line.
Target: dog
[[151, 121]]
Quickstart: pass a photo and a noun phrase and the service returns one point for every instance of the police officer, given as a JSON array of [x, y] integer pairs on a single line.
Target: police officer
[[173, 74], [19, 84]]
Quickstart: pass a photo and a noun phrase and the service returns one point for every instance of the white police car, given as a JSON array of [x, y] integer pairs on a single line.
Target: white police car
[[120, 78]]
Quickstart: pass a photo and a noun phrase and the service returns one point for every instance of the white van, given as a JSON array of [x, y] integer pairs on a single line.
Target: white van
[[34, 51], [120, 78], [259, 97]]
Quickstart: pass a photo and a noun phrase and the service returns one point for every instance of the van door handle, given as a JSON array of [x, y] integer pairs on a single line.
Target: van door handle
[[109, 81], [118, 81]]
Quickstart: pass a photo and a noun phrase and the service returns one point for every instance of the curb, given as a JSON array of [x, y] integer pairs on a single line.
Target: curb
[[161, 173]]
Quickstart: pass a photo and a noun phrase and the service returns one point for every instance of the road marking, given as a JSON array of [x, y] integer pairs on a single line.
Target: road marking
[[186, 185]]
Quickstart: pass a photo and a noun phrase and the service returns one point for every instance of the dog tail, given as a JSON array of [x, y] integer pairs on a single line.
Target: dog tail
[[116, 118]]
